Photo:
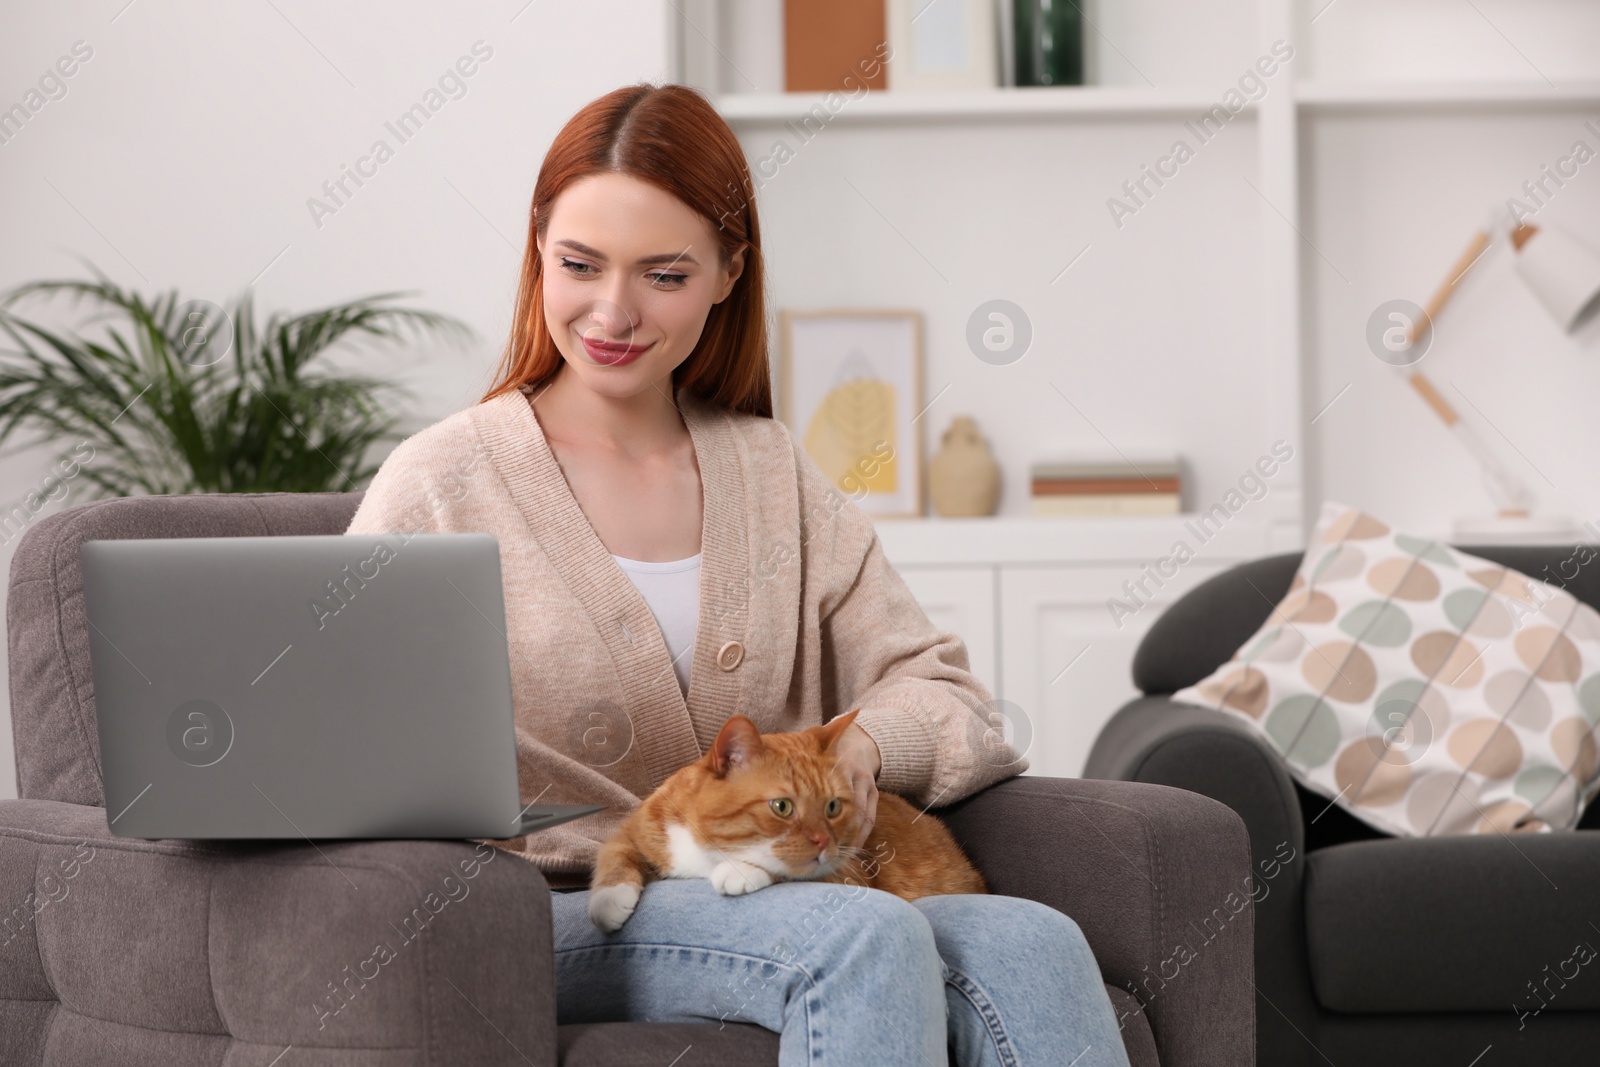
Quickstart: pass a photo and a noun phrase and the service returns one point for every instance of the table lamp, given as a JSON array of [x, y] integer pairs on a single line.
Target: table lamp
[[1564, 275]]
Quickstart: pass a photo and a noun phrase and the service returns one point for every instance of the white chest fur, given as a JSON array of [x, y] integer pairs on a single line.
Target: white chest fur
[[689, 859], [730, 871]]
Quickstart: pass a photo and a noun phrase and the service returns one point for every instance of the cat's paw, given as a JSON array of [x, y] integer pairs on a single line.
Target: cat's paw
[[733, 878], [611, 906]]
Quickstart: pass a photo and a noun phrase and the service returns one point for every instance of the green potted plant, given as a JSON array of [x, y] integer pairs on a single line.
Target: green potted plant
[[190, 397]]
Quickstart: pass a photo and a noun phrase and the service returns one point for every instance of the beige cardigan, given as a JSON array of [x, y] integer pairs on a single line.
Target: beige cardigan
[[801, 618]]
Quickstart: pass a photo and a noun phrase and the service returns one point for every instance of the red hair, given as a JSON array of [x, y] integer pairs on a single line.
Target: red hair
[[672, 137]]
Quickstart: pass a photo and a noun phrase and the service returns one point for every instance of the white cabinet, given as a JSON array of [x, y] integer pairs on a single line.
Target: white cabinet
[[1030, 599], [1065, 661]]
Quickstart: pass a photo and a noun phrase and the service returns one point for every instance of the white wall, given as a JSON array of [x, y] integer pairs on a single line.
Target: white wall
[[1395, 200], [1391, 196], [1448, 40], [186, 147], [1133, 336]]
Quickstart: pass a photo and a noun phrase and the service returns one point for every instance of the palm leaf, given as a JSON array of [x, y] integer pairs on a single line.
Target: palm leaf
[[269, 418]]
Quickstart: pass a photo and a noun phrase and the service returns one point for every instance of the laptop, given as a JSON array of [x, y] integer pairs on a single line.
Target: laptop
[[319, 686]]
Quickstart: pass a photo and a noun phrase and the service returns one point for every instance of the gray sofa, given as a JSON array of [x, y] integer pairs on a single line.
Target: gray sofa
[[176, 952], [1370, 949]]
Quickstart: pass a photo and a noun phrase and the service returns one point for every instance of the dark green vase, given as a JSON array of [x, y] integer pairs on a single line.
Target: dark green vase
[[1049, 42]]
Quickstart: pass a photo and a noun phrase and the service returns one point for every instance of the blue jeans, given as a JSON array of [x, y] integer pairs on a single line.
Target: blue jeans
[[846, 975]]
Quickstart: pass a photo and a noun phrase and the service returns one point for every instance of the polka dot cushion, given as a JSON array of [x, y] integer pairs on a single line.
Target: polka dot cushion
[[1425, 690]]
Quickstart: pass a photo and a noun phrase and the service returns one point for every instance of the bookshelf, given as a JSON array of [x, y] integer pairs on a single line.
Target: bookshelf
[[1224, 314]]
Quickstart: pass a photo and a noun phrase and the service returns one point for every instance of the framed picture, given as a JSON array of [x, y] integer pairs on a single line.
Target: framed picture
[[948, 44], [851, 384]]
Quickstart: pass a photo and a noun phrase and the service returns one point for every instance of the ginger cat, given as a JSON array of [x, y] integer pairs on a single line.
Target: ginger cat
[[760, 808]]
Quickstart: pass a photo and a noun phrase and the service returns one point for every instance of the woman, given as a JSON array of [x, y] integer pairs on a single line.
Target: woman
[[670, 558]]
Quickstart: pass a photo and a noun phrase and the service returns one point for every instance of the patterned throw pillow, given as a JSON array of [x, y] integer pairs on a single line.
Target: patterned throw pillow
[[1425, 690]]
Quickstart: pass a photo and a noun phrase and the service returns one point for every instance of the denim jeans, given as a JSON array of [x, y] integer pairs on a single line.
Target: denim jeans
[[846, 975]]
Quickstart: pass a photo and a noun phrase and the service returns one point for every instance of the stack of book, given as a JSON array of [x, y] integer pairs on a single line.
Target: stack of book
[[1148, 487]]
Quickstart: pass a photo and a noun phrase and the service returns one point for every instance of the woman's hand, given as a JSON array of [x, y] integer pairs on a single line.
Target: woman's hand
[[861, 761]]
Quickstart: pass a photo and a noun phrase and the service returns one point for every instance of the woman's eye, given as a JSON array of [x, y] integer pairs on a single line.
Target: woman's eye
[[661, 279], [783, 807], [835, 806]]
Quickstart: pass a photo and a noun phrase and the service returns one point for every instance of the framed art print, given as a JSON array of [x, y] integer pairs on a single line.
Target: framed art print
[[950, 44], [851, 384]]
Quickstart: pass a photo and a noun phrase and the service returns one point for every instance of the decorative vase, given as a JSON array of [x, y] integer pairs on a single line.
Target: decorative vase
[[963, 477], [1049, 42]]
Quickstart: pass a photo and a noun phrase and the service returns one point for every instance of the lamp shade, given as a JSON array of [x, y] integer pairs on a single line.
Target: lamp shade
[[1563, 273]]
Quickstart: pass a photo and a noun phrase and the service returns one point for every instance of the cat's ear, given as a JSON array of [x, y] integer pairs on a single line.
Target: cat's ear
[[737, 744], [829, 731]]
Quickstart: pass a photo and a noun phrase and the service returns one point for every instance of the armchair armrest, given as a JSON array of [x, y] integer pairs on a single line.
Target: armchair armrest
[[1153, 739], [396, 952], [1157, 878]]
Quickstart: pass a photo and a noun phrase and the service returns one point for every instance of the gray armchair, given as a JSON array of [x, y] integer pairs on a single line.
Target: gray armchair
[[209, 952], [1371, 949]]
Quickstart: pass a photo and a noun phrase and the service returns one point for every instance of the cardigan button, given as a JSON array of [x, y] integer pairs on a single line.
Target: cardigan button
[[730, 655]]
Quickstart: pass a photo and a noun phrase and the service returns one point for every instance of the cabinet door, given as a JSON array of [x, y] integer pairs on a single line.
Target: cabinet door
[[960, 599], [1066, 664]]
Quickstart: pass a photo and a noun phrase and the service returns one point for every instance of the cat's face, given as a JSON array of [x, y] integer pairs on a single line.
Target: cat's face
[[779, 801]]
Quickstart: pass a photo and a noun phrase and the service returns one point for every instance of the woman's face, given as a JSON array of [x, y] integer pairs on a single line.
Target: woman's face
[[630, 273]]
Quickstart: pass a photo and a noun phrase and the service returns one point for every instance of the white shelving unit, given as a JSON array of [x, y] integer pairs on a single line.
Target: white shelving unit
[[1315, 97], [1224, 314], [755, 108]]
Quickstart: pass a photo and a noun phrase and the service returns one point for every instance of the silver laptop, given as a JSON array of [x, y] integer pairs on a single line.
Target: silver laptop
[[340, 686]]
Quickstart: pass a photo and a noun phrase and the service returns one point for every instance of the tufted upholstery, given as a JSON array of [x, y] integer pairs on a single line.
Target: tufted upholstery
[[166, 952]]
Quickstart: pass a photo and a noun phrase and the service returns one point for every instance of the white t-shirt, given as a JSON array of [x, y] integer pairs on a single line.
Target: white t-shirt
[[672, 589]]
